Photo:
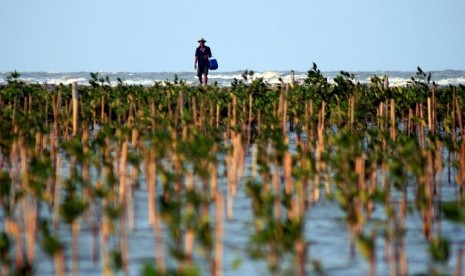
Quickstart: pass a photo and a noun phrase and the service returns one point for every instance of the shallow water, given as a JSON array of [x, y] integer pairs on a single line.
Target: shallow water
[[325, 232]]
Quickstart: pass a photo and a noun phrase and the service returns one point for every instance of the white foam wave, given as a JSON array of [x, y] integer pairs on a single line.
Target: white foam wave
[[222, 78]]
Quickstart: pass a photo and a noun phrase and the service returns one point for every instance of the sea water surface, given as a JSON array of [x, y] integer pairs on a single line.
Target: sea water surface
[[396, 78], [325, 232]]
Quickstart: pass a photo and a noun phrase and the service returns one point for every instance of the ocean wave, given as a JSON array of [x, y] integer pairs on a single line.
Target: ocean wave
[[396, 78]]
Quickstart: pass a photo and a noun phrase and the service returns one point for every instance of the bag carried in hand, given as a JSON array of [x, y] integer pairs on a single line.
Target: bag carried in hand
[[212, 64]]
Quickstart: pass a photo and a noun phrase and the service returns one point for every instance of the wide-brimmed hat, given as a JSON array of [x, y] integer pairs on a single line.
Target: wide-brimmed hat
[[201, 39]]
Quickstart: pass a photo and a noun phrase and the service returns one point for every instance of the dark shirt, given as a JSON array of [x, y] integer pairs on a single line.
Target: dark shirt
[[202, 61]]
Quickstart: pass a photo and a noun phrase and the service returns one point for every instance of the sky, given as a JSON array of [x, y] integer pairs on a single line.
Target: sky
[[268, 35]]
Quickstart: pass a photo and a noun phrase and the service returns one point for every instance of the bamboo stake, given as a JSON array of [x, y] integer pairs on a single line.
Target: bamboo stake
[[393, 119], [244, 121], [459, 117], [428, 103], [219, 234], [287, 166], [31, 222], [106, 268], [59, 260], [459, 266], [15, 229], [214, 174], [122, 171], [75, 229], [151, 171], [57, 194], [102, 109], [124, 246], [284, 111], [434, 110], [249, 124], [75, 107], [254, 161], [352, 111]]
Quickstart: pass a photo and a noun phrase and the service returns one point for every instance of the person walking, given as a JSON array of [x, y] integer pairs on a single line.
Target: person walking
[[202, 54]]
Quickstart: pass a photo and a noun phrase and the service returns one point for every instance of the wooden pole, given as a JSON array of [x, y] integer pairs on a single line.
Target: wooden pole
[[219, 234], [393, 119], [75, 107]]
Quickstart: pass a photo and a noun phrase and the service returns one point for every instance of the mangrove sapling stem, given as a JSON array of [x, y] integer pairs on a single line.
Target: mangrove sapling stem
[[277, 194], [421, 128], [211, 115], [118, 111], [152, 114], [254, 170], [460, 176], [13, 116], [218, 116], [410, 118], [194, 112], [234, 112], [168, 95], [203, 119], [259, 122], [46, 109], [57, 194]]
